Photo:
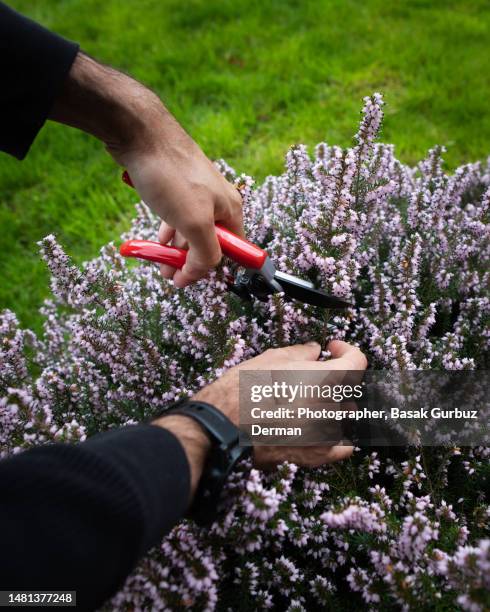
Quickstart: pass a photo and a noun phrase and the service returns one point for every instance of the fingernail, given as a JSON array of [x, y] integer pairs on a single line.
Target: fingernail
[[312, 343]]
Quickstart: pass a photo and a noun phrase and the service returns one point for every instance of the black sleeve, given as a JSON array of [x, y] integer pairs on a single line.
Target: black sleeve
[[34, 63], [78, 517]]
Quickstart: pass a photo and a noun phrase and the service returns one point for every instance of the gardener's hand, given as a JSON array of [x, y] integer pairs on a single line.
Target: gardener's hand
[[224, 395], [176, 179], [168, 169]]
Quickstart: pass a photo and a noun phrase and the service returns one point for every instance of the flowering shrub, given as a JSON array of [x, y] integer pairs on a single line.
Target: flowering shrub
[[388, 528]]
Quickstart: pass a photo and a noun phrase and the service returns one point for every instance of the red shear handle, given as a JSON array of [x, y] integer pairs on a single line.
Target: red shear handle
[[126, 179], [154, 251], [240, 250]]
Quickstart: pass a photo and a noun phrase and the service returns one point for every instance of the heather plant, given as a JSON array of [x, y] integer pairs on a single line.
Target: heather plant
[[391, 528]]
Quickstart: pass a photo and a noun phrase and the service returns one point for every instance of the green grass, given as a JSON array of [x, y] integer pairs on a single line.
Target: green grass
[[246, 79]]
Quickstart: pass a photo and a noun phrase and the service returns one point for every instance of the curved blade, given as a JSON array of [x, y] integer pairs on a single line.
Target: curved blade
[[306, 292]]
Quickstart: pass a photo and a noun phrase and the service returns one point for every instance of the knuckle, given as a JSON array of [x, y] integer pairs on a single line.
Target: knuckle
[[214, 259], [236, 199], [362, 358], [204, 261], [194, 273], [191, 225], [230, 204]]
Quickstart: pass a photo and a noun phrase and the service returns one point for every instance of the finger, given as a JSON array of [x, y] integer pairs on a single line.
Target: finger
[[267, 457], [179, 241], [167, 271], [339, 453], [233, 220], [301, 352], [354, 359], [235, 225], [165, 233], [314, 456], [204, 253]]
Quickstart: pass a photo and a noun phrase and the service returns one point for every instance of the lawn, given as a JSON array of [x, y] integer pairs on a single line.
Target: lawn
[[246, 79]]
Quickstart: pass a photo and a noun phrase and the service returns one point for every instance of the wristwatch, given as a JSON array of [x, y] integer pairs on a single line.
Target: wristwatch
[[224, 454]]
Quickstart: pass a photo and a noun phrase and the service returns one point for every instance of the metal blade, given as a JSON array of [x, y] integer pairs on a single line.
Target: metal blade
[[306, 292]]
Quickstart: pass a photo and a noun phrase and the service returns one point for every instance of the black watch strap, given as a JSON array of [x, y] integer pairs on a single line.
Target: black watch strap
[[218, 427], [223, 456]]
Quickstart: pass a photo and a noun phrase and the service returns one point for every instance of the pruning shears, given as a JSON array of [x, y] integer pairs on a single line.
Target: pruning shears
[[257, 277]]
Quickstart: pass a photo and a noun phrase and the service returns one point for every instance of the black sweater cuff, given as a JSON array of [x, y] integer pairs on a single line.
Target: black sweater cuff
[[34, 63]]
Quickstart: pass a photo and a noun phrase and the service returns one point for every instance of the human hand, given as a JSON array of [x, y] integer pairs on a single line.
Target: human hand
[[186, 190], [168, 169], [174, 177], [223, 394]]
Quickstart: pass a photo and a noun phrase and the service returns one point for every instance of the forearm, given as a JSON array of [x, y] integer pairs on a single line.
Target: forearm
[[137, 130], [46, 76], [115, 108], [104, 102], [79, 517], [194, 441]]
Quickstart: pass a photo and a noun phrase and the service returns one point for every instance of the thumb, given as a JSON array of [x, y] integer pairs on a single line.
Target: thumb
[[354, 359], [310, 351]]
